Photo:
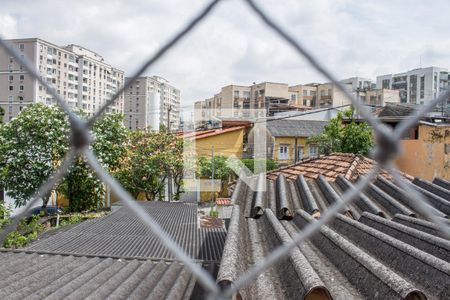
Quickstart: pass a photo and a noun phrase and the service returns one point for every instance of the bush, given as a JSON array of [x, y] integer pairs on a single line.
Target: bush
[[250, 164], [5, 213], [72, 219], [27, 231]]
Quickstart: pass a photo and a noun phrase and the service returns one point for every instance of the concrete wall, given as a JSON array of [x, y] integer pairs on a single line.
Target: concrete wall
[[426, 157], [226, 144]]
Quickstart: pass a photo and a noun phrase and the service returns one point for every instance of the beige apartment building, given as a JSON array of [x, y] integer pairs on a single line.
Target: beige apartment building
[[238, 100], [79, 75], [151, 102]]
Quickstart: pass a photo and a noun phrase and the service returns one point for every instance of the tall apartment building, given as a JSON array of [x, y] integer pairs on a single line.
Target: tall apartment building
[[79, 75], [151, 102], [417, 86]]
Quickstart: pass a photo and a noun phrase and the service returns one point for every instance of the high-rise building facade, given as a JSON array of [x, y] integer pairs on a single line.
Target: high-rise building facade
[[151, 102], [77, 74], [417, 86]]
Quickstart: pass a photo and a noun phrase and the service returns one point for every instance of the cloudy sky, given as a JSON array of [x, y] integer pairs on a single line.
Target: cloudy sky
[[350, 37]]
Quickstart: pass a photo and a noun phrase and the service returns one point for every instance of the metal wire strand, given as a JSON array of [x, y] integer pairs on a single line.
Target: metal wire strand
[[405, 125], [421, 203], [314, 62], [79, 129], [284, 250], [43, 190], [204, 277], [171, 43]]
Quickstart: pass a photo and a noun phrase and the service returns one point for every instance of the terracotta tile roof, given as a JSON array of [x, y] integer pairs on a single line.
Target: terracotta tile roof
[[208, 133], [349, 165], [223, 201]]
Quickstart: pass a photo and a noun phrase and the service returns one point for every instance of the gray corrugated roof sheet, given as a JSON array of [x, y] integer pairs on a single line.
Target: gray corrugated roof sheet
[[38, 276], [123, 234], [295, 128], [379, 247]]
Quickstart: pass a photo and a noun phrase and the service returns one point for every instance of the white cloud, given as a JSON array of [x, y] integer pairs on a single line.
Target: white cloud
[[7, 26], [232, 46]]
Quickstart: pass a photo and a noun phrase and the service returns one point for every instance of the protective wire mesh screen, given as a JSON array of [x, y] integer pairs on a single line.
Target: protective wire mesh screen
[[387, 146]]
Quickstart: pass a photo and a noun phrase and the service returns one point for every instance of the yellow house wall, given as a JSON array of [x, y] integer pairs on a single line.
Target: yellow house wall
[[426, 157], [290, 141], [226, 144]]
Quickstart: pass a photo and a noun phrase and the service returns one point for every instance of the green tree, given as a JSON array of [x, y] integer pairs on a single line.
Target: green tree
[[32, 146], [151, 158], [351, 137], [81, 187]]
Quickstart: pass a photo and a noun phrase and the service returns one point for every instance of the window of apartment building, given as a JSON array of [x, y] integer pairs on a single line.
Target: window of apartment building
[[322, 93], [22, 77], [10, 108], [422, 87], [283, 152], [305, 92], [11, 78], [329, 92], [236, 94], [313, 150], [293, 97], [20, 99], [10, 67], [21, 88], [11, 88], [22, 47], [10, 98]]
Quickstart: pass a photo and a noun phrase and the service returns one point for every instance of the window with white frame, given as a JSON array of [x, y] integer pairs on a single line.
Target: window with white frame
[[313, 150], [283, 152]]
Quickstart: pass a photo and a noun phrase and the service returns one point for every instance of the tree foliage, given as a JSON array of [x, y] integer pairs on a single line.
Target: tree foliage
[[32, 146], [250, 163], [151, 158], [81, 186], [352, 137]]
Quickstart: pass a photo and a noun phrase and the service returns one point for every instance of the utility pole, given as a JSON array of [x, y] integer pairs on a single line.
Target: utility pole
[[212, 164], [169, 178]]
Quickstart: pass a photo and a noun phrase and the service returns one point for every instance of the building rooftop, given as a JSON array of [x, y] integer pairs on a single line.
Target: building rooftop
[[39, 276], [123, 234], [379, 247], [349, 165], [295, 128], [201, 134], [114, 257]]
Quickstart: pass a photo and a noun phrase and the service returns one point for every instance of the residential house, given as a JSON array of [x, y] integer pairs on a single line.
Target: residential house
[[425, 148], [287, 139], [223, 142]]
